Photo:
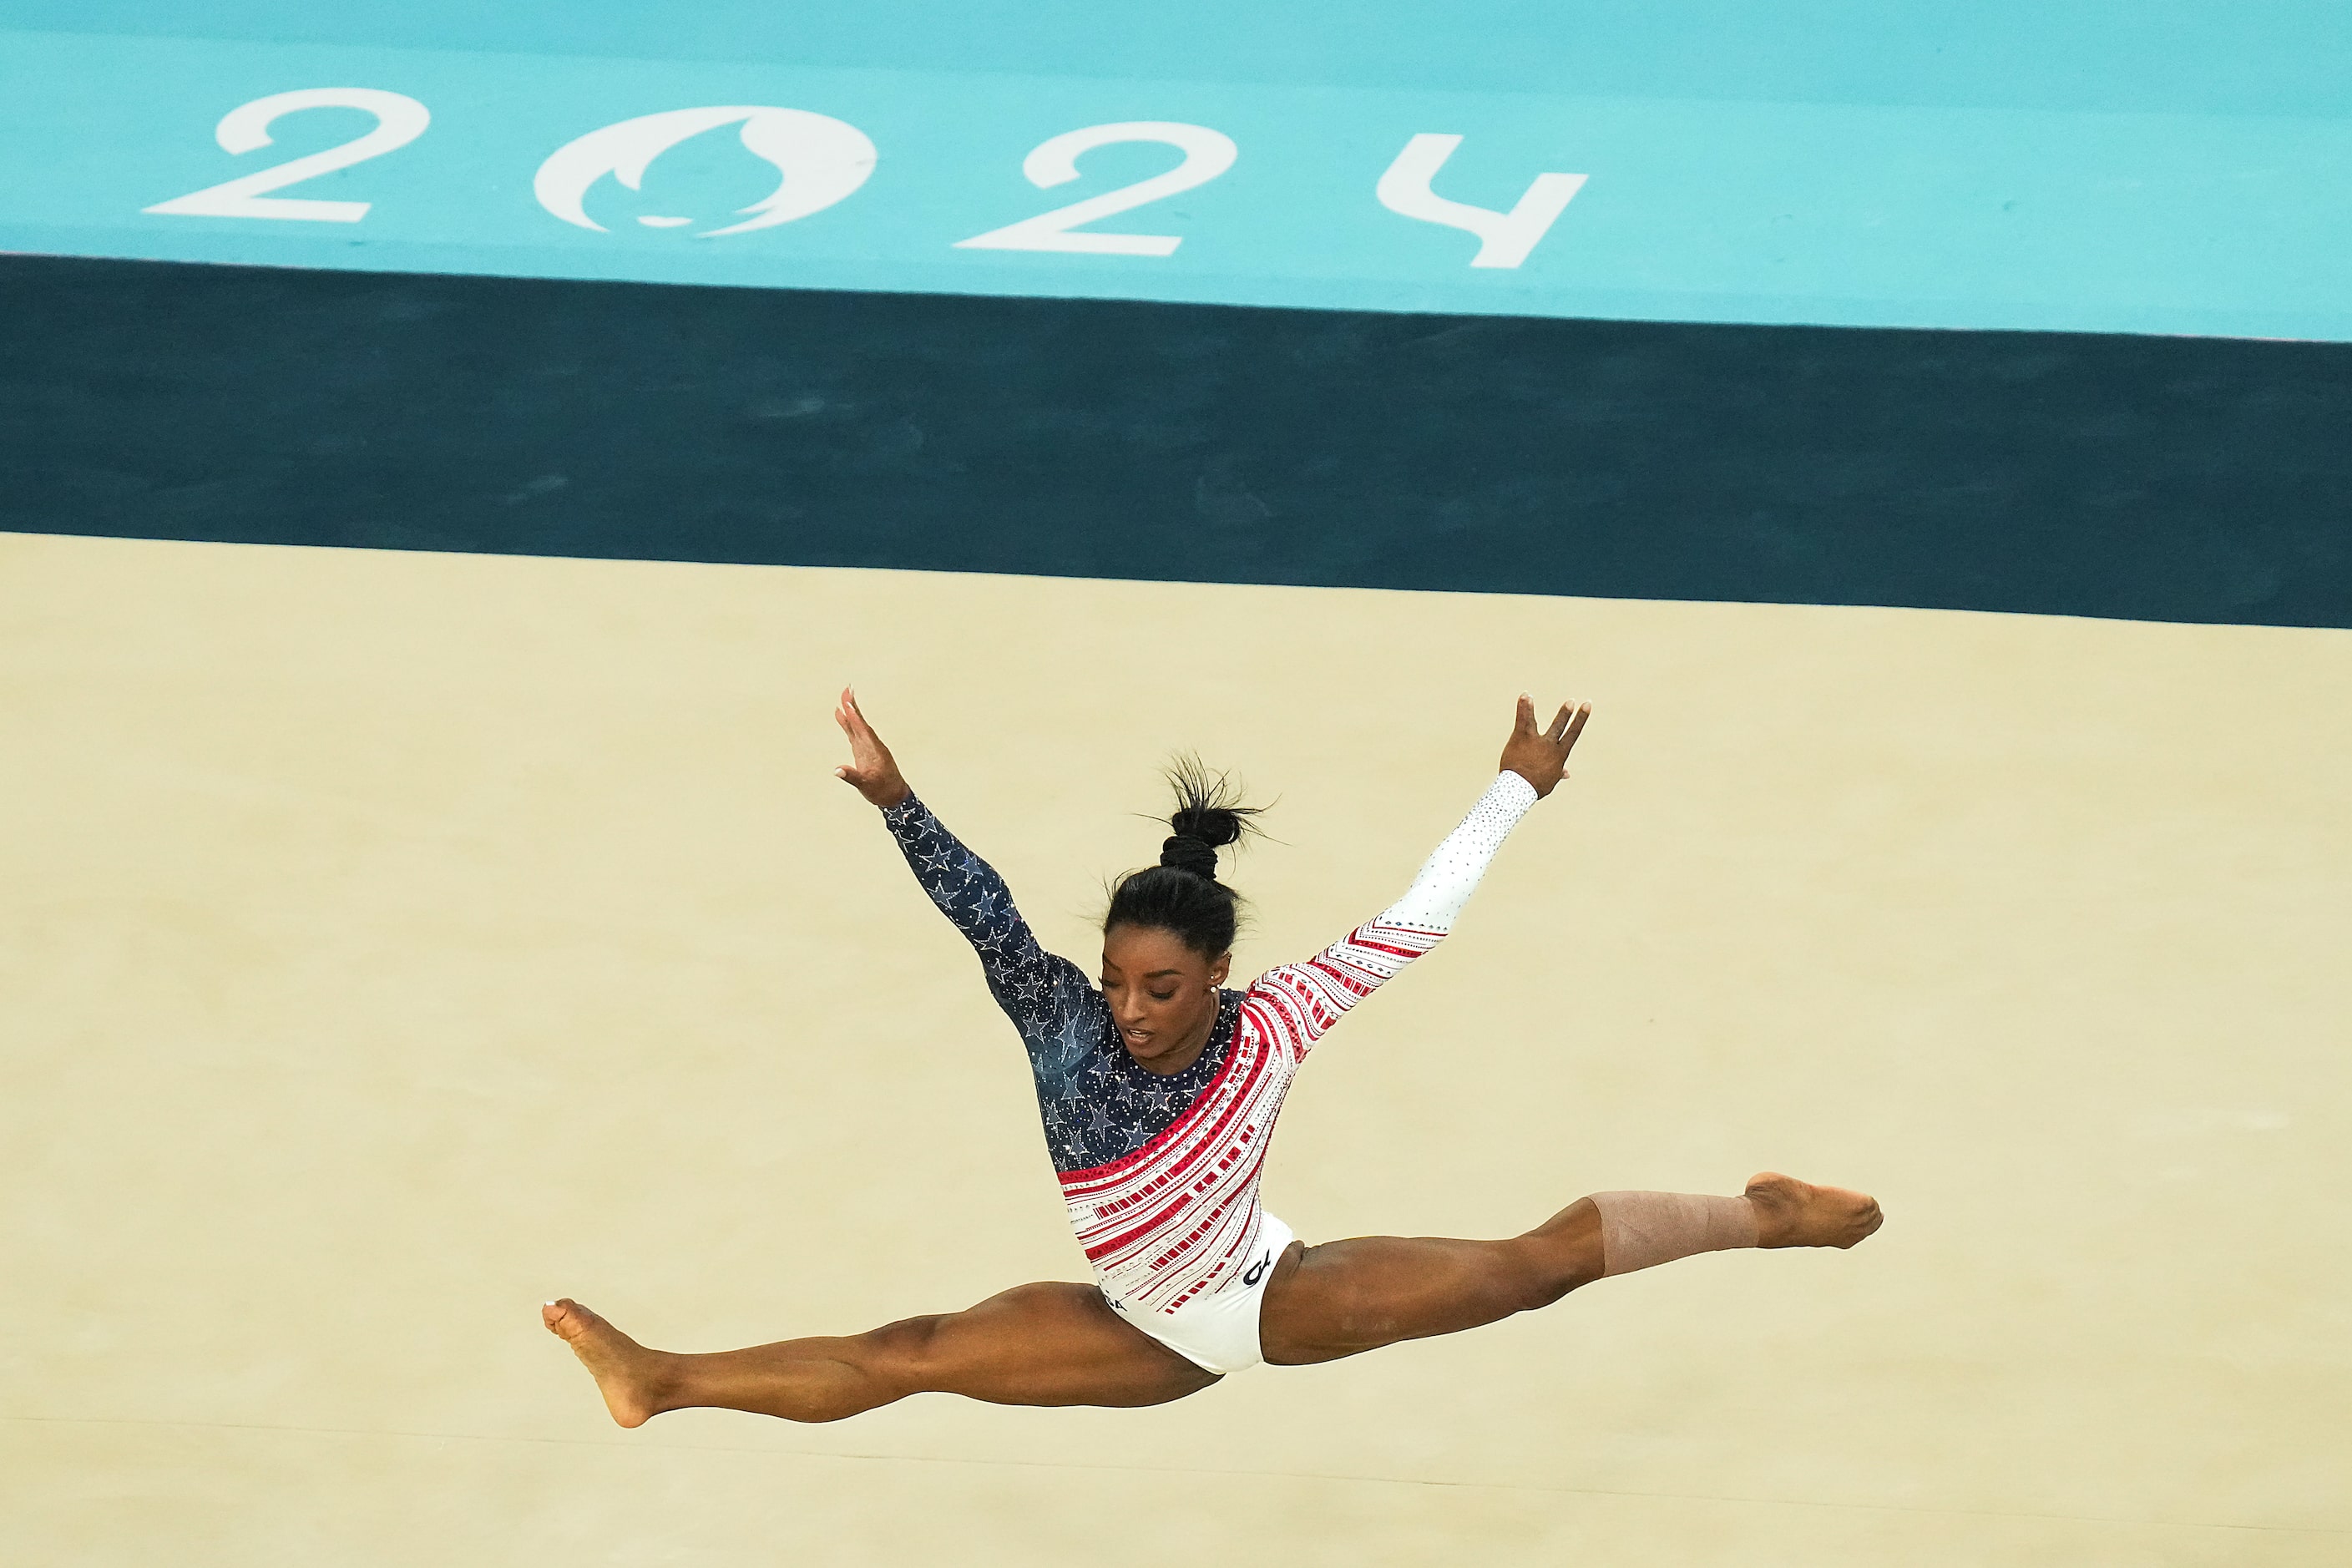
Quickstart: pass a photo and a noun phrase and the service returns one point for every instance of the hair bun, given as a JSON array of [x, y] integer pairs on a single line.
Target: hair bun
[[1209, 816], [1190, 852], [1182, 895], [1207, 822]]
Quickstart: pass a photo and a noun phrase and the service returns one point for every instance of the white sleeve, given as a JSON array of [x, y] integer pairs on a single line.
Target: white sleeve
[[1448, 877]]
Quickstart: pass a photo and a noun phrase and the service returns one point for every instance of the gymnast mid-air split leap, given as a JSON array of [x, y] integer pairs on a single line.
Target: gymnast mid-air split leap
[[1158, 1093]]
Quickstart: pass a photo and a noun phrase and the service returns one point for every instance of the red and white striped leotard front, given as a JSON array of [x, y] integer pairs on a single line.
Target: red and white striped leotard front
[[1173, 1220], [1161, 1172], [1166, 1224]]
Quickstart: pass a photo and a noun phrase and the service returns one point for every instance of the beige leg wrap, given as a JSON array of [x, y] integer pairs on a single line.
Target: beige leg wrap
[[1641, 1230]]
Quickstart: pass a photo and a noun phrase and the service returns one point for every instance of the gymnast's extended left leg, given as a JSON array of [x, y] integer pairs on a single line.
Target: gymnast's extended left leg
[[1346, 1296]]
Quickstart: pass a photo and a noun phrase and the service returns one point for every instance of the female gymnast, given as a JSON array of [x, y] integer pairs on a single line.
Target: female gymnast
[[1158, 1093]]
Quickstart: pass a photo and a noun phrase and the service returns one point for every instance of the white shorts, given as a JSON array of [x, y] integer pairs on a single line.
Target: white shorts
[[1218, 1332]]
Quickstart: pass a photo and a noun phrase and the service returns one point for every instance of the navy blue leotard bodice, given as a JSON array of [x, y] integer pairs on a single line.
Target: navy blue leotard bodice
[[1096, 1102]]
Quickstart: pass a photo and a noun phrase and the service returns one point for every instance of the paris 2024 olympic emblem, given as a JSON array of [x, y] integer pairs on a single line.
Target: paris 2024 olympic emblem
[[818, 162]]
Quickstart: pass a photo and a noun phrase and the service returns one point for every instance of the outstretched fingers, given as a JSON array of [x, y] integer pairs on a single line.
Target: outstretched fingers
[[1541, 755], [871, 771], [1565, 727], [854, 725], [849, 716], [1568, 725]]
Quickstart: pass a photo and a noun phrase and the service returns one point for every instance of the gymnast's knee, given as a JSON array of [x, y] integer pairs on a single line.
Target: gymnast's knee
[[909, 1341], [1550, 1264], [1544, 1284], [894, 1360]]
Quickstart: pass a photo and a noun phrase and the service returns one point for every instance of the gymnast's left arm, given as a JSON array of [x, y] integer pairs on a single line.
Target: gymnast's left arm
[[1304, 1000]]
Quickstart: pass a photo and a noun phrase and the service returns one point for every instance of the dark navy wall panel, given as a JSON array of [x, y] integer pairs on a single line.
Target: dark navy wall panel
[[2192, 479]]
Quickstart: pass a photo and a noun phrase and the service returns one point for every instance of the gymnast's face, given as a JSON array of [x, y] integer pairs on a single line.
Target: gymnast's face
[[1162, 995]]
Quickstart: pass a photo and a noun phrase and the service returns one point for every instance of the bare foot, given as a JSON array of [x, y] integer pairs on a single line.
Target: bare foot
[[1790, 1212], [629, 1376]]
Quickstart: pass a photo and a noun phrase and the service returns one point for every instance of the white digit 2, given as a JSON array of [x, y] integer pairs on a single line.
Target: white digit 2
[[1504, 238], [399, 120], [1207, 154]]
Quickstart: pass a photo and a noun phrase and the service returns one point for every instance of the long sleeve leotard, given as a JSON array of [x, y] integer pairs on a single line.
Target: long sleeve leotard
[[1161, 1171]]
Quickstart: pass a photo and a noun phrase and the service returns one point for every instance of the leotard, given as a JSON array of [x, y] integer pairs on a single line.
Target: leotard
[[1161, 1171]]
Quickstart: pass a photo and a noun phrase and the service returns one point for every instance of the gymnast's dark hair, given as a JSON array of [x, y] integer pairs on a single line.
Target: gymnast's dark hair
[[1182, 895]]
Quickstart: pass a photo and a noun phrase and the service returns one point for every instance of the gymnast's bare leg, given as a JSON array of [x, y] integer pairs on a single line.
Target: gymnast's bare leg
[[1057, 1344], [1034, 1345], [1154, 1037], [1346, 1296]]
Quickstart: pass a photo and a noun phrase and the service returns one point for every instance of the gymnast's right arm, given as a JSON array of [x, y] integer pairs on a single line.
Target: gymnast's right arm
[[1031, 985]]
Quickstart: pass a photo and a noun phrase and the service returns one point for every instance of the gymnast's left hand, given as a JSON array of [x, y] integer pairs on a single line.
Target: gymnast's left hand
[[1540, 756]]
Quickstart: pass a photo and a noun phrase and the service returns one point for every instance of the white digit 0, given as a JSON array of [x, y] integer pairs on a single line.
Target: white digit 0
[[399, 120], [818, 161], [1504, 238], [1207, 154]]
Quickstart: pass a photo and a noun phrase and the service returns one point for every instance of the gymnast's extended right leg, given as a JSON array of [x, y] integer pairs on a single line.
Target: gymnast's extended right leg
[[1051, 1343]]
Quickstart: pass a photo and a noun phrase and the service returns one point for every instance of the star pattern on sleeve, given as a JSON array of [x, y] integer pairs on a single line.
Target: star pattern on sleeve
[[1095, 1102]]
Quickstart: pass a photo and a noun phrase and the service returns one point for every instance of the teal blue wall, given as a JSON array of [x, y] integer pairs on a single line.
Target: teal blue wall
[[2148, 168], [2209, 57], [1310, 386]]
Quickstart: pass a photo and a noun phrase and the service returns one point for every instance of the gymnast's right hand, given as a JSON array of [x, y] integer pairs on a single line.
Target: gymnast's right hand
[[872, 771]]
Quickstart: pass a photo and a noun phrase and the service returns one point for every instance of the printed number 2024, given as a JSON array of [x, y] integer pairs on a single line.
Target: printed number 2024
[[822, 161]]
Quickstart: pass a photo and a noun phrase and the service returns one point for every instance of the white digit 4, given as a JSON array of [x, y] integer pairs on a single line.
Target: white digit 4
[[1504, 238], [1207, 154], [399, 120]]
